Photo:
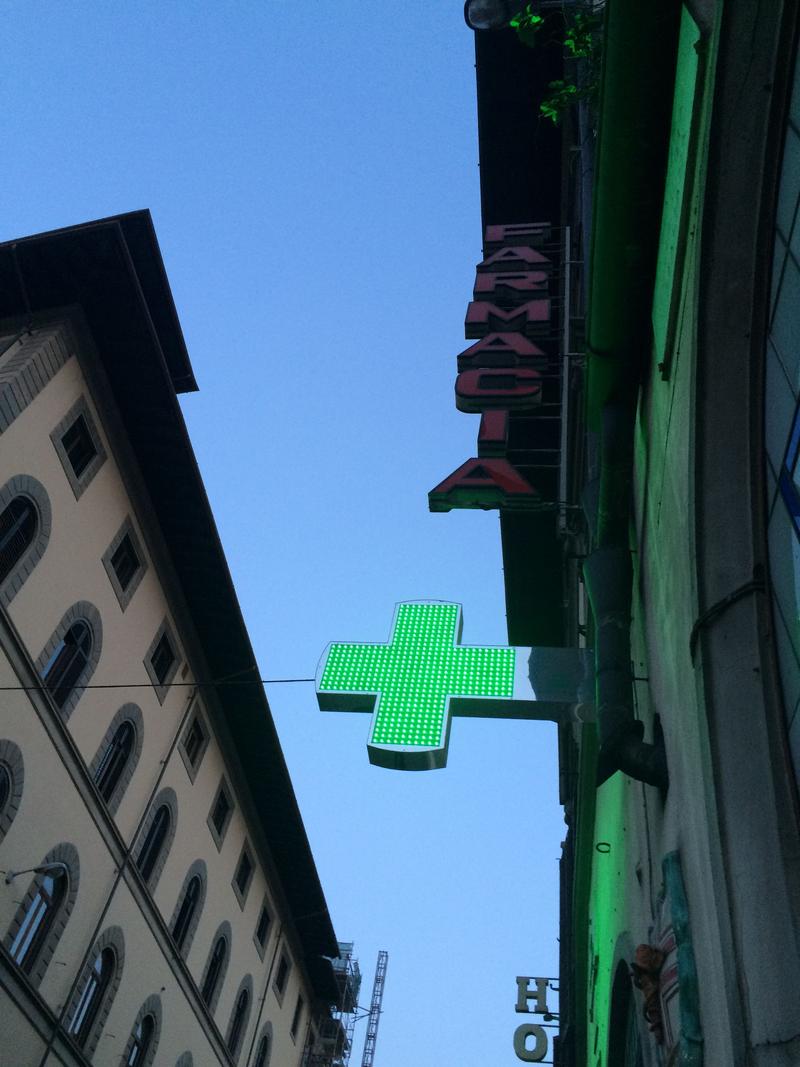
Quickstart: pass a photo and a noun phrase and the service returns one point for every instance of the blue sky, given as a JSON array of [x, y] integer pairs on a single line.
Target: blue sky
[[312, 174]]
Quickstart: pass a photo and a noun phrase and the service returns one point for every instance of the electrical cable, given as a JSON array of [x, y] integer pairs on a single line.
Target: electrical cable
[[149, 685]]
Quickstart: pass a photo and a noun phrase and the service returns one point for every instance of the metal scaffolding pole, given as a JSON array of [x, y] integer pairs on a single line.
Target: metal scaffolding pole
[[368, 1058]]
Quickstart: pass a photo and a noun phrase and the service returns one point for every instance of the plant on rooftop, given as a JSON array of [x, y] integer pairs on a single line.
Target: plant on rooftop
[[577, 32]]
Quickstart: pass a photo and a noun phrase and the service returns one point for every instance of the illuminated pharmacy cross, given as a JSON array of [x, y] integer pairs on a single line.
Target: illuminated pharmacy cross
[[415, 682]]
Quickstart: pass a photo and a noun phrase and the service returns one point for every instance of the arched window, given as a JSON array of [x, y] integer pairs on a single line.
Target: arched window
[[239, 1017], [183, 920], [153, 842], [142, 1041], [18, 523], [118, 754], [25, 522], [140, 1051], [87, 1008], [12, 781], [38, 917], [114, 760], [45, 908], [68, 661], [214, 971], [70, 657], [262, 1055]]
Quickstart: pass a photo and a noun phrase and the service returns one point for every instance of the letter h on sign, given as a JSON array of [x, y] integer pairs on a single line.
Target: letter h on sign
[[535, 1052]]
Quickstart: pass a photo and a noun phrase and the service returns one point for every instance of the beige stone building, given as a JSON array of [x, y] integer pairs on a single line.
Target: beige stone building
[[159, 902]]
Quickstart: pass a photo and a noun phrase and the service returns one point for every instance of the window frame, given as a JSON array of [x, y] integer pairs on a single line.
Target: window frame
[[14, 766], [111, 939], [151, 1009], [196, 870], [279, 988], [239, 1018], [219, 835], [79, 482], [124, 594], [222, 933], [196, 718], [162, 685], [66, 854], [261, 947], [245, 855], [87, 613], [25, 485], [131, 713], [165, 798], [297, 1014]]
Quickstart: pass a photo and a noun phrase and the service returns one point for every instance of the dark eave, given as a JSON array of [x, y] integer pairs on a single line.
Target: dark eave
[[519, 151], [112, 269], [520, 181]]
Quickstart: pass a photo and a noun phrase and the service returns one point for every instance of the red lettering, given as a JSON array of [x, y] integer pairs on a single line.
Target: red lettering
[[517, 258], [485, 484], [533, 233], [500, 350], [513, 286], [499, 387], [493, 433], [483, 318]]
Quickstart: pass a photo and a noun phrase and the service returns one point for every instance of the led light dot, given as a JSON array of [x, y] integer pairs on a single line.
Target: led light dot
[[416, 673]]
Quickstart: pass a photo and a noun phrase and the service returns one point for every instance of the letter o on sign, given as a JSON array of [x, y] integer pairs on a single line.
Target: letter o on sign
[[521, 1047]]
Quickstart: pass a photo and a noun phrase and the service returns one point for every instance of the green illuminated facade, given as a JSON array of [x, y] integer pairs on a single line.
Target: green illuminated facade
[[681, 801]]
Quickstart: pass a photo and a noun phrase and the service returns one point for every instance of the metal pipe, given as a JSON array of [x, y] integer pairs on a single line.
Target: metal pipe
[[608, 574]]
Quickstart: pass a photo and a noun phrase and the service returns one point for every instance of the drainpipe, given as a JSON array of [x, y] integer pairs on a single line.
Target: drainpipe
[[608, 574]]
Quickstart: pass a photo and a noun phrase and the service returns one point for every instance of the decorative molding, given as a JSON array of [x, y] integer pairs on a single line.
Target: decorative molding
[[196, 870], [196, 716], [223, 931], [125, 595], [219, 835], [246, 984], [133, 714], [29, 363], [112, 937], [266, 1035], [162, 687], [11, 759], [78, 483], [68, 855], [241, 894], [88, 613], [25, 485], [166, 797], [152, 1006]]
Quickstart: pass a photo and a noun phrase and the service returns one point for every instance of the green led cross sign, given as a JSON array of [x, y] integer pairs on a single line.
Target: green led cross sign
[[416, 681]]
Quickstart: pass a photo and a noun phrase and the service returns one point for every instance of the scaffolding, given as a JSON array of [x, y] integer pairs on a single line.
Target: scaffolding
[[334, 1039], [375, 1009], [331, 1043]]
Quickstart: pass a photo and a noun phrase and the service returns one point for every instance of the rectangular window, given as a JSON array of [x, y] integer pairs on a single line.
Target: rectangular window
[[222, 808], [194, 744], [262, 926], [243, 875], [79, 446], [162, 659], [220, 815], [298, 1011], [281, 976], [125, 562]]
